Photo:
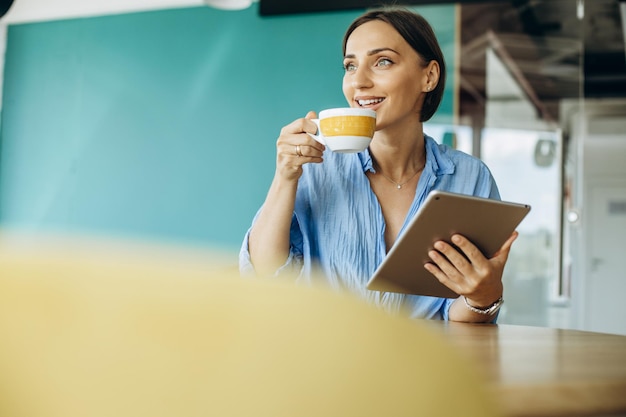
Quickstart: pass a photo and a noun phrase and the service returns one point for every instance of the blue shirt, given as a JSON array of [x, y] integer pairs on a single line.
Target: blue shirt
[[338, 230]]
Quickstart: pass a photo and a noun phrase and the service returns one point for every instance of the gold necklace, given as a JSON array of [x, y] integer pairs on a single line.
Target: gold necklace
[[398, 184]]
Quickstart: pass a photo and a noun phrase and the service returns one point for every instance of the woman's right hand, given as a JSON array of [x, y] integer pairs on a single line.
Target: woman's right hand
[[269, 237], [295, 147]]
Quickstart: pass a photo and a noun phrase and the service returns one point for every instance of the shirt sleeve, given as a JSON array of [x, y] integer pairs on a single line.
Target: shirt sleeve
[[445, 308], [294, 262]]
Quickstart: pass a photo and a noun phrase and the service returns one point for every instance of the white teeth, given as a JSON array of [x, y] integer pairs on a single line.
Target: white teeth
[[368, 102]]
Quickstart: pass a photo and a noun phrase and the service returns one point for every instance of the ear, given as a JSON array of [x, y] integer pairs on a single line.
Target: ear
[[431, 76]]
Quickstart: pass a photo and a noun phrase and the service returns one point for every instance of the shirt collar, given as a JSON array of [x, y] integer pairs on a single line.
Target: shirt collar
[[437, 158], [366, 160]]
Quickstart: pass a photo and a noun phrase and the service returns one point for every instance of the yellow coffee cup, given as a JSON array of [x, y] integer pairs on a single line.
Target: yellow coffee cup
[[345, 130]]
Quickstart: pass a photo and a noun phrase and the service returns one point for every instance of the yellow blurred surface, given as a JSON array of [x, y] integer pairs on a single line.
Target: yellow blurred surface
[[87, 330]]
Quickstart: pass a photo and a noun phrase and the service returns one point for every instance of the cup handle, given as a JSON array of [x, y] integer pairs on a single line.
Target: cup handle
[[318, 137]]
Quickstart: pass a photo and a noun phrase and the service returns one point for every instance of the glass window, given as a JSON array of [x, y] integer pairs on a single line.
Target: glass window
[[526, 166]]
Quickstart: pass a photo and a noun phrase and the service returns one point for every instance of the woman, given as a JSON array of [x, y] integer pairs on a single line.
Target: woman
[[336, 215]]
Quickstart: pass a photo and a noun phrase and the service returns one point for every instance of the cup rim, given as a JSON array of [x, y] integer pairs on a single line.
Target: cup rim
[[346, 111]]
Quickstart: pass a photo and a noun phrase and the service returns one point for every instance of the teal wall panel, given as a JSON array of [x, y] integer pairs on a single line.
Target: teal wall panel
[[161, 124]]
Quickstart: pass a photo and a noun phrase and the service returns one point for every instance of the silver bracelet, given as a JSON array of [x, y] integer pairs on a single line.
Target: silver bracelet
[[487, 310]]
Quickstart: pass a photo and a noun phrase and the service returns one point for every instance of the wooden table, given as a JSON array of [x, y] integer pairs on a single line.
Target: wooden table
[[537, 371]]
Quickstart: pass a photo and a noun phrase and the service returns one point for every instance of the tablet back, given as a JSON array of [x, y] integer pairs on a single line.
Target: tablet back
[[485, 222]]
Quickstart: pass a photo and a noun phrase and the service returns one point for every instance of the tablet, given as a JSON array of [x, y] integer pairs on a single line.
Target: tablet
[[487, 223]]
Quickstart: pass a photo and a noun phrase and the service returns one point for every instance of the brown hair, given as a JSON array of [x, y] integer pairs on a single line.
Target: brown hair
[[418, 33]]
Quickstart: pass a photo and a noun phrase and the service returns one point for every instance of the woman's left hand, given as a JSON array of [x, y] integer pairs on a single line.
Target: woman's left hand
[[474, 276]]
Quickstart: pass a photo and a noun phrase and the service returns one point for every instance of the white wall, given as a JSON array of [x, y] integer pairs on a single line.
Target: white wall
[[40, 10]]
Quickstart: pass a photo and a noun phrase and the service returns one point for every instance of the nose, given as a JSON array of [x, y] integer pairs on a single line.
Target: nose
[[361, 78]]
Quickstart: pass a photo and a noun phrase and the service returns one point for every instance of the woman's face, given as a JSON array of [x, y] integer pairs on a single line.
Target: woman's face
[[383, 73]]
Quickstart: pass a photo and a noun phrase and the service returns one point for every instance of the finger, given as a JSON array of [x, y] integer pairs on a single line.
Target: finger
[[298, 145], [455, 257], [479, 273], [442, 277], [298, 154], [313, 130], [308, 151], [301, 125], [485, 281], [506, 247], [307, 125], [463, 276], [444, 265], [310, 145], [499, 259]]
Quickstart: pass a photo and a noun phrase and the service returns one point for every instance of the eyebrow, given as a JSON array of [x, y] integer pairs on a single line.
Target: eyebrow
[[373, 52]]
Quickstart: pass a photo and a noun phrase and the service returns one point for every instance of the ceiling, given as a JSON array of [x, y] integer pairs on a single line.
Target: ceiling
[[554, 49], [551, 44]]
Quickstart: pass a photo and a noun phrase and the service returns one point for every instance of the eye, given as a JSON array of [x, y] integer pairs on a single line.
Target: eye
[[349, 67], [384, 62]]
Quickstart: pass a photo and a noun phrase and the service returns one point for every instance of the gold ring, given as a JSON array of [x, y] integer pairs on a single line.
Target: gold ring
[[298, 150]]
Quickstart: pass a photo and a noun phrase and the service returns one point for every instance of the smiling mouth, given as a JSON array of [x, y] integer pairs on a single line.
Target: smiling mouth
[[369, 102]]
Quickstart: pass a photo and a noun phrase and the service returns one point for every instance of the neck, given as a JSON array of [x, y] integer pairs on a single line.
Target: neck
[[399, 183], [398, 159]]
